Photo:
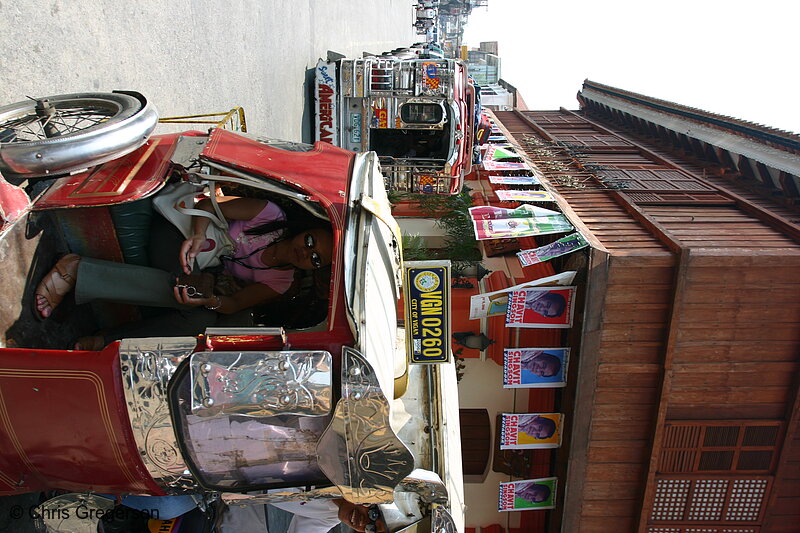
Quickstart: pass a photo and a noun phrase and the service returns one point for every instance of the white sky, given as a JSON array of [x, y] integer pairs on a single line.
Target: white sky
[[733, 57]]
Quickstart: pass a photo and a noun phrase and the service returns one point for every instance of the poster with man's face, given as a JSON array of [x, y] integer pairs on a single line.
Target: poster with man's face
[[524, 196], [527, 179], [541, 307], [499, 152], [495, 303], [562, 246], [535, 367], [528, 494], [530, 430], [505, 228], [490, 164]]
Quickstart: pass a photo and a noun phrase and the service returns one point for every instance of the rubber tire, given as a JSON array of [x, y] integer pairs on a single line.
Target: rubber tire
[[132, 121]]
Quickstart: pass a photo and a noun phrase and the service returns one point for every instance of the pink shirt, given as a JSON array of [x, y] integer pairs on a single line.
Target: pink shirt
[[276, 279]]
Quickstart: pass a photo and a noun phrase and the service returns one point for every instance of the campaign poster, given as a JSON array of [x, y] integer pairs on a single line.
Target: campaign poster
[[491, 164], [490, 212], [562, 246], [528, 494], [506, 228], [524, 196], [530, 430], [426, 287], [535, 367], [541, 307], [495, 303], [514, 180], [499, 152]]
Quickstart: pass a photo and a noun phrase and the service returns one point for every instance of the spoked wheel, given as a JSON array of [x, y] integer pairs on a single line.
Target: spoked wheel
[[59, 134]]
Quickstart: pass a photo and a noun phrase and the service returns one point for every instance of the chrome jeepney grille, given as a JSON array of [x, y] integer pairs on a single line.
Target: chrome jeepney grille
[[416, 175], [391, 75], [371, 76]]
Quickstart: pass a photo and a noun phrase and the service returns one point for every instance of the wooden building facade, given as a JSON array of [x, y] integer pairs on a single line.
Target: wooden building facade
[[683, 404]]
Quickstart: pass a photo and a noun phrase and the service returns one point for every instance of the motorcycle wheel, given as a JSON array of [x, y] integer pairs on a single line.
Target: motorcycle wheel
[[62, 133]]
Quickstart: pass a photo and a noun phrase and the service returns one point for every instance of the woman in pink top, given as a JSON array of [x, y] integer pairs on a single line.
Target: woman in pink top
[[269, 247]]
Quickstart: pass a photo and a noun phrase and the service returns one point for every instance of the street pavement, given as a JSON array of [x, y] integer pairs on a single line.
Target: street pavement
[[193, 56]]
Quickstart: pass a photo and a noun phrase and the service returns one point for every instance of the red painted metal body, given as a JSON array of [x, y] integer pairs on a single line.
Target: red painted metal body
[[63, 418], [13, 204], [466, 103], [128, 178], [63, 424]]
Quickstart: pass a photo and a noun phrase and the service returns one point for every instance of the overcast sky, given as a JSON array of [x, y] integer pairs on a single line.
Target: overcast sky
[[733, 57]]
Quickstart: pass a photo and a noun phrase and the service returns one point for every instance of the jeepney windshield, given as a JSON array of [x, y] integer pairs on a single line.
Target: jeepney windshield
[[421, 113], [243, 453], [411, 143], [427, 133]]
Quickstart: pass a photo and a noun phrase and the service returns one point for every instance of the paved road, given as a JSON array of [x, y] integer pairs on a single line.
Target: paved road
[[192, 56]]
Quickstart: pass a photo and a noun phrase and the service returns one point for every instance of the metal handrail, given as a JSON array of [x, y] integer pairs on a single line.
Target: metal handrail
[[233, 120]]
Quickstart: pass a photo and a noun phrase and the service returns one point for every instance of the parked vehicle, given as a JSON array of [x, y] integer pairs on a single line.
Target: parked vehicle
[[424, 13], [411, 107], [310, 397]]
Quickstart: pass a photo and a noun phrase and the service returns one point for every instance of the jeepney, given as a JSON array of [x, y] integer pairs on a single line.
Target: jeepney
[[415, 110]]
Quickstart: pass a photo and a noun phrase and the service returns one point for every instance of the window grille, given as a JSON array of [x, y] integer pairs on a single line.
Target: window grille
[[714, 446]]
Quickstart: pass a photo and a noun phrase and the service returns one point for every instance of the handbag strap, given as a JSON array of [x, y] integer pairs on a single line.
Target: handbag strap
[[213, 196], [217, 217]]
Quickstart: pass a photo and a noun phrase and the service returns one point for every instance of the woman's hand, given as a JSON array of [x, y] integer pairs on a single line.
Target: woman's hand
[[189, 250], [182, 297]]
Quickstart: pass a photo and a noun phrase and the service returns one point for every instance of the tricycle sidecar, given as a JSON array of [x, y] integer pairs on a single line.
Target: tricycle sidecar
[[170, 414]]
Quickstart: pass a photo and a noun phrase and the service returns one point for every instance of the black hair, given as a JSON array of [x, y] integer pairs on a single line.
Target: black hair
[[296, 220], [548, 423], [557, 299], [552, 360], [535, 492]]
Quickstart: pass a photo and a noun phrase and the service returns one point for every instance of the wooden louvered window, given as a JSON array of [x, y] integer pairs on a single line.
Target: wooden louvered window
[[720, 446], [678, 198], [667, 180], [719, 503], [703, 529], [593, 140]]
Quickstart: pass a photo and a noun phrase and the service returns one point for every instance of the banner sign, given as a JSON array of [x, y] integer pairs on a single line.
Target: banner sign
[[524, 196], [325, 103], [491, 222], [529, 179], [530, 430], [506, 228], [535, 367], [549, 307], [491, 164], [562, 246], [528, 494], [490, 212], [427, 311], [495, 303], [501, 151]]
